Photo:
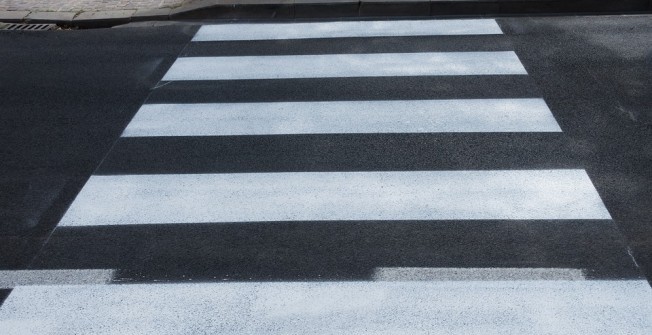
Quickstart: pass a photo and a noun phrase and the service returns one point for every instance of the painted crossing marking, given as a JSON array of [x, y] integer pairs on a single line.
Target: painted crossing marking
[[474, 274], [346, 65], [409, 116], [276, 31], [449, 307], [332, 196], [13, 278]]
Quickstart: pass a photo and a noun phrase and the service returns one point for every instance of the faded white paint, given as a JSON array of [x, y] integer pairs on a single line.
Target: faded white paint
[[346, 65], [277, 31], [322, 117], [13, 278], [455, 307], [327, 196], [474, 274]]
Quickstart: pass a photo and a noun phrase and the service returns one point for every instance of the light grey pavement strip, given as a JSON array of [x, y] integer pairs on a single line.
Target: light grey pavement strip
[[13, 278], [346, 65], [410, 116], [86, 5], [327, 196], [474, 274], [276, 31], [455, 307]]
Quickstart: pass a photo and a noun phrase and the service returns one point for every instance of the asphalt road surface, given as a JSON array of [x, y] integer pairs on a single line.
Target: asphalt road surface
[[459, 176]]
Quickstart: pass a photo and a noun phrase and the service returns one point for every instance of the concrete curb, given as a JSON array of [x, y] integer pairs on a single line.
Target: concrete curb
[[291, 9]]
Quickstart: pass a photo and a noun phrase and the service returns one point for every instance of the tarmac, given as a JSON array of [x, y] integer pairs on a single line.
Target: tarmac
[[99, 13], [70, 95]]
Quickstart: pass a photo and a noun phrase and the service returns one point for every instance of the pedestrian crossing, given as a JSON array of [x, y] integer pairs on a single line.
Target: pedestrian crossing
[[342, 117], [221, 176], [349, 65], [285, 31], [512, 307], [336, 196]]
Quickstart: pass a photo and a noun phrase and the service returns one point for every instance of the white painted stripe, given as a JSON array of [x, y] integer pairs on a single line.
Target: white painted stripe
[[326, 196], [411, 116], [13, 278], [475, 274], [277, 31], [503, 307], [346, 65]]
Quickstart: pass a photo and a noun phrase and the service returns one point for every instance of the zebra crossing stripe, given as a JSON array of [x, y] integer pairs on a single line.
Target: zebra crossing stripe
[[13, 278], [408, 116], [346, 65], [475, 274], [333, 196], [449, 307], [276, 31]]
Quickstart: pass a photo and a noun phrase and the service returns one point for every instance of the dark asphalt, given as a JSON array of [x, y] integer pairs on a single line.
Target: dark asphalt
[[71, 94], [596, 75], [335, 250], [65, 98]]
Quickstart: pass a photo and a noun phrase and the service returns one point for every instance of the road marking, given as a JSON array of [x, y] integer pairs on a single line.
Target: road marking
[[346, 65], [13, 278], [408, 116], [474, 274], [280, 31], [455, 307], [332, 196]]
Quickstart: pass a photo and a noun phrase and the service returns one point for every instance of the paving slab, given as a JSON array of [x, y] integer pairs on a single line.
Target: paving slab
[[191, 6], [13, 16], [103, 18], [86, 5], [151, 14], [51, 17]]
